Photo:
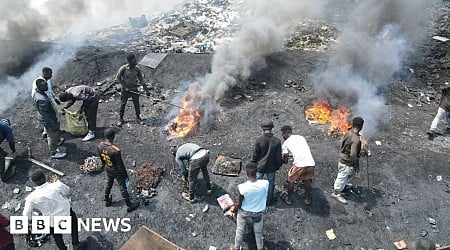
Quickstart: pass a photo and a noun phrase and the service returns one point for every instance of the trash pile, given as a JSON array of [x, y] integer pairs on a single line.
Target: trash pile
[[199, 26], [148, 177]]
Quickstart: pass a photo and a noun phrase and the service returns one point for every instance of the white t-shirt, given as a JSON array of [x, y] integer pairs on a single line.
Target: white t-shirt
[[297, 146], [49, 92], [255, 195], [49, 198]]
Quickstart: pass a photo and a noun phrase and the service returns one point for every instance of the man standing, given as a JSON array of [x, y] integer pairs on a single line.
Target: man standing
[[198, 159], [348, 159], [267, 156], [6, 132], [47, 74], [302, 166], [52, 199], [115, 169], [130, 77], [442, 113], [47, 117], [90, 100], [250, 206]]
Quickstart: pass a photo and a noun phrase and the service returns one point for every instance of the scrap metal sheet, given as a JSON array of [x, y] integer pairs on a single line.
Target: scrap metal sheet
[[152, 60]]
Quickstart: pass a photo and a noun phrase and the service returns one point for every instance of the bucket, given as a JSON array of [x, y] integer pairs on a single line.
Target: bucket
[[9, 161]]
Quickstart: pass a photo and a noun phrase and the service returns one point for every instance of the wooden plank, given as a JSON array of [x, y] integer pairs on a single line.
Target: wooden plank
[[146, 239]]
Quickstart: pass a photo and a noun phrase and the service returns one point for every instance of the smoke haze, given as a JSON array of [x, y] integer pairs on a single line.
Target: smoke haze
[[370, 49], [44, 20], [263, 31]]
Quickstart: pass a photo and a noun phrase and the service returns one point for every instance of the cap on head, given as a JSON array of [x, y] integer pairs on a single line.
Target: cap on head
[[268, 124], [358, 122], [37, 177], [110, 133]]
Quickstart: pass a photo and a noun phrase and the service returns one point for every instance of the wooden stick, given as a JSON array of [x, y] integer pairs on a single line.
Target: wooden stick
[[45, 166]]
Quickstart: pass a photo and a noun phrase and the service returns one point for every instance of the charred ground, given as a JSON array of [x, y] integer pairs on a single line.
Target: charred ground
[[403, 190]]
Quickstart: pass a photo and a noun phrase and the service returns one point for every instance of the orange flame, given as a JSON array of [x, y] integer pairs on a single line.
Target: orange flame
[[186, 121], [322, 113]]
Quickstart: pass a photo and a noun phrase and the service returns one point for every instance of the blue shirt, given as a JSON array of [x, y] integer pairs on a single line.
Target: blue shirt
[[7, 133], [185, 152]]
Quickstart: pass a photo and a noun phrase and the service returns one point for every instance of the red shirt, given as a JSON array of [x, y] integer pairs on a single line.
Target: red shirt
[[5, 237]]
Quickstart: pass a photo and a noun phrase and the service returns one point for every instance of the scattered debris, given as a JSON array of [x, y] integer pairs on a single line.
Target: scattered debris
[[401, 244], [423, 233], [6, 205], [16, 190], [378, 143], [212, 248], [432, 221], [205, 209], [435, 229], [441, 38], [330, 234], [28, 189], [439, 178]]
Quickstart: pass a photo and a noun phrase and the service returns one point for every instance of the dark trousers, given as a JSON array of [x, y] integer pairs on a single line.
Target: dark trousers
[[194, 169], [121, 181], [90, 108], [74, 233], [53, 136], [123, 102], [2, 164]]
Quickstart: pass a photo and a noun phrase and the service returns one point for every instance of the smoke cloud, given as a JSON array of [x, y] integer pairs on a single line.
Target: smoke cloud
[[263, 31], [370, 49], [46, 20]]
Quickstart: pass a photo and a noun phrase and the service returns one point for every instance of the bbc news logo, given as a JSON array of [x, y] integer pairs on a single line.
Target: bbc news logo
[[63, 224]]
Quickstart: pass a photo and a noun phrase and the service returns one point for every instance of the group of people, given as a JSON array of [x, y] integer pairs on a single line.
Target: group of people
[[45, 101], [253, 196]]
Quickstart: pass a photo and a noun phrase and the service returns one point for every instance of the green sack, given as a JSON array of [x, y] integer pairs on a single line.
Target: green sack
[[76, 123]]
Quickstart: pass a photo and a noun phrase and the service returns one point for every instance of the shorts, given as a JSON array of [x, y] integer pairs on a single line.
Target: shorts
[[300, 173]]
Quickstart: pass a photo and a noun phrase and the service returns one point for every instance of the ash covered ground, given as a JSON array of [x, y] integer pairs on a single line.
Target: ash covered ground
[[403, 191]]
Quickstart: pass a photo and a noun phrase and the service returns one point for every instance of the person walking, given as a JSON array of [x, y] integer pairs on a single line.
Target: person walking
[[47, 117], [250, 207], [46, 75], [130, 77], [348, 159], [6, 132], [115, 169], [267, 155], [52, 199], [443, 112], [303, 164], [198, 159], [90, 99]]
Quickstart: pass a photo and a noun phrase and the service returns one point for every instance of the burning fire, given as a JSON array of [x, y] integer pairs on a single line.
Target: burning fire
[[323, 113], [186, 121]]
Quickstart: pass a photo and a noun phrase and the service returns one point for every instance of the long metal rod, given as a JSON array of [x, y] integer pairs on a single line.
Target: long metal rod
[[158, 99], [368, 182], [45, 166]]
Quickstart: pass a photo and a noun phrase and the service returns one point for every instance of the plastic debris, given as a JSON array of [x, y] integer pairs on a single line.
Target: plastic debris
[[435, 229], [432, 221], [205, 209], [17, 208], [439, 178], [6, 205], [378, 143], [330, 234], [28, 189], [409, 105], [212, 248], [423, 233], [401, 244], [16, 190]]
